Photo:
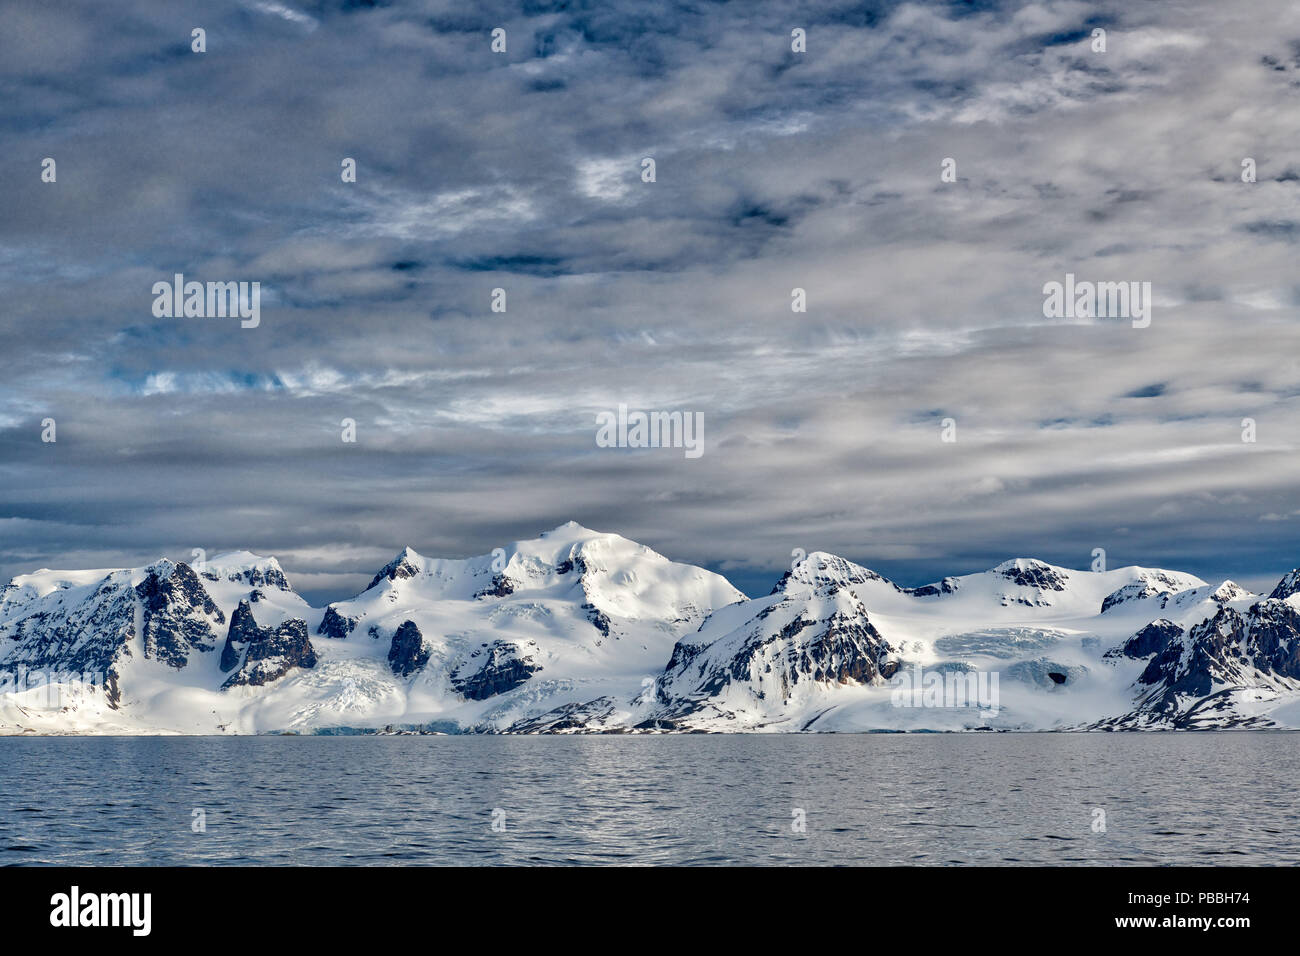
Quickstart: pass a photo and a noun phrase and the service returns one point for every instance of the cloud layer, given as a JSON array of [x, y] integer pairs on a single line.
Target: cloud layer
[[774, 170]]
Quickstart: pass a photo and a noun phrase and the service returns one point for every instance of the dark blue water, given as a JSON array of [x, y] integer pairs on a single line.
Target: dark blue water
[[1215, 798]]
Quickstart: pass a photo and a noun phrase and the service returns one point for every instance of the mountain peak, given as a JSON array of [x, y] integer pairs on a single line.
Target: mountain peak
[[163, 567], [1032, 573], [1229, 591], [1289, 585], [822, 568], [570, 529], [407, 564], [1012, 565]]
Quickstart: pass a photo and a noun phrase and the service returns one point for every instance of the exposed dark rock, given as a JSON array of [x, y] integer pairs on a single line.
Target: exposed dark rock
[[1288, 586], [178, 614], [1229, 650], [89, 638], [1166, 587], [408, 652], [843, 648], [657, 723], [781, 584], [1152, 639], [1032, 574], [398, 569], [569, 718], [946, 586], [270, 652], [684, 651], [243, 631], [1229, 591], [502, 667], [335, 625], [500, 587], [1272, 637], [262, 577], [597, 618], [1137, 591], [828, 572], [255, 577]]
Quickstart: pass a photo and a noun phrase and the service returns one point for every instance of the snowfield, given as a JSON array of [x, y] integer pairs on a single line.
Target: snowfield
[[578, 631]]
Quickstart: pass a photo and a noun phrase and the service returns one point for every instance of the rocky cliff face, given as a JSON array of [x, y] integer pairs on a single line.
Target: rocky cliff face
[[1229, 648], [260, 655], [495, 668], [243, 632], [406, 565], [81, 630], [1287, 587], [178, 615], [1036, 575], [812, 634], [335, 625], [1154, 638], [94, 625], [407, 653], [1198, 676]]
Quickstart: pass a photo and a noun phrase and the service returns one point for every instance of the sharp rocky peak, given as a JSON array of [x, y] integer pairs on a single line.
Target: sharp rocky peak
[[1229, 591], [407, 564], [821, 570], [1288, 586], [1032, 573]]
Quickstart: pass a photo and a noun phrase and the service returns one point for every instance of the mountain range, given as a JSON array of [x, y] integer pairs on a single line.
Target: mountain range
[[577, 631]]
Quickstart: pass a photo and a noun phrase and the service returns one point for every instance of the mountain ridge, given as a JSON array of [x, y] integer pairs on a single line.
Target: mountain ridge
[[583, 631]]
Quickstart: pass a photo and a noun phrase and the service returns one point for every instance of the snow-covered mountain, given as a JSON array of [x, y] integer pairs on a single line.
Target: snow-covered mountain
[[580, 631], [229, 647]]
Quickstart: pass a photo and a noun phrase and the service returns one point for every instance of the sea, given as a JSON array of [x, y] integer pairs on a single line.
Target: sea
[[1100, 799]]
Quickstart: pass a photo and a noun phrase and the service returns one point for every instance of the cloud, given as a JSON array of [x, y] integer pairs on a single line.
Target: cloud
[[775, 170]]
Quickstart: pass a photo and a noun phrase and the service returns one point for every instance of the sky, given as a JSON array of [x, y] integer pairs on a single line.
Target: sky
[[774, 170]]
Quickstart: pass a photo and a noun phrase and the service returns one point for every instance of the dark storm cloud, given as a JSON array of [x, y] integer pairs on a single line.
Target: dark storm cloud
[[775, 170]]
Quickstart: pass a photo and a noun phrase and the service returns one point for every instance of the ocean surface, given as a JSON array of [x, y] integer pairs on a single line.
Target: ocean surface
[[1194, 798]]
